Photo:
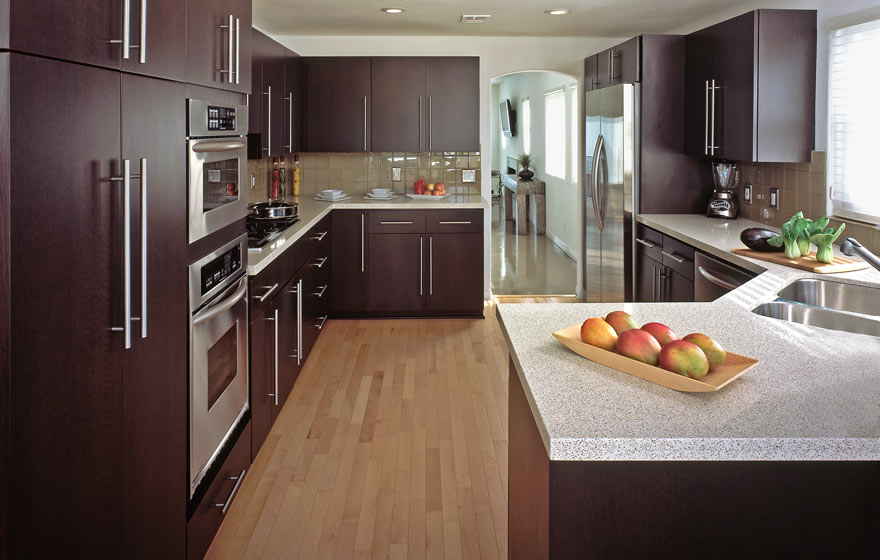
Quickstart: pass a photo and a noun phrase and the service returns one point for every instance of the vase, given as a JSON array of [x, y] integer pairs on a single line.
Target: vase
[[526, 174]]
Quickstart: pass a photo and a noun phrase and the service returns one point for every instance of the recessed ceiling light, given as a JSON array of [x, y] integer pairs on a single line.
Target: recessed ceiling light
[[558, 12], [393, 10]]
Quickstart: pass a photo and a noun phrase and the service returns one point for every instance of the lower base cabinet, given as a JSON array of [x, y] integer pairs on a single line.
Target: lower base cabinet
[[455, 273], [664, 268]]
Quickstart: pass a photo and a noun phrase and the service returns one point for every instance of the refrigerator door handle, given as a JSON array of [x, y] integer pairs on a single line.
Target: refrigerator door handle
[[601, 194], [594, 180]]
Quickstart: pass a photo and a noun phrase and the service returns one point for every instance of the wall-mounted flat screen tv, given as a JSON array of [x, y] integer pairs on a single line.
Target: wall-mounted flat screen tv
[[508, 119]]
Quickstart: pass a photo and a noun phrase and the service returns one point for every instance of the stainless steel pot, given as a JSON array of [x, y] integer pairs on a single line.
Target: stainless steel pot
[[273, 210]]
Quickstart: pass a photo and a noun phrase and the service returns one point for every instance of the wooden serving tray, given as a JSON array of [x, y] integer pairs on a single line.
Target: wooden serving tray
[[734, 366], [809, 262]]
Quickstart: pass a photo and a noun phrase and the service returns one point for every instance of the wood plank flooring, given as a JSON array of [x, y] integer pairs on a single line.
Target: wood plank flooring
[[392, 444]]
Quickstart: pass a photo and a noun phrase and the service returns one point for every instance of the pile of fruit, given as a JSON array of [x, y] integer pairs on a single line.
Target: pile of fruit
[[429, 189], [654, 344]]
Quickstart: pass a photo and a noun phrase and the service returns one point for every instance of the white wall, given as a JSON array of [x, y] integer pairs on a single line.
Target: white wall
[[562, 201], [830, 13], [498, 56]]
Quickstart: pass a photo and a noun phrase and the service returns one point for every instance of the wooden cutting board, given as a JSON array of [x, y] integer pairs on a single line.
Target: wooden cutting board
[[809, 263]]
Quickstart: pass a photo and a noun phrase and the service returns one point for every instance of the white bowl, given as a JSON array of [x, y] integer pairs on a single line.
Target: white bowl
[[381, 192], [332, 193]]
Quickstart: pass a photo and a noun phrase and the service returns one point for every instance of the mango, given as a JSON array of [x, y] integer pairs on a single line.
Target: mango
[[621, 321], [638, 345], [661, 332], [684, 358], [596, 332], [714, 352]]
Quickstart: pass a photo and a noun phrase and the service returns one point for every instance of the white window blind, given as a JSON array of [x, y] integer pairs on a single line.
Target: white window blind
[[554, 133], [573, 133], [854, 115], [527, 125]]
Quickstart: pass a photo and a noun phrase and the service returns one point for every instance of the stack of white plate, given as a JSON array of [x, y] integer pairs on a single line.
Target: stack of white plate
[[380, 194], [331, 195]]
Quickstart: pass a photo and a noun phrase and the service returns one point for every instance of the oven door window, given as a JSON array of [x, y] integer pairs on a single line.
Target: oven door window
[[220, 184], [222, 364]]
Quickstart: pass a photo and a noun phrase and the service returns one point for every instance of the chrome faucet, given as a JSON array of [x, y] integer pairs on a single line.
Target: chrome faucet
[[850, 247]]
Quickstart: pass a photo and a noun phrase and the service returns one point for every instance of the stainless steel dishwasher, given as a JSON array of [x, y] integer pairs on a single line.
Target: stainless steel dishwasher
[[714, 278]]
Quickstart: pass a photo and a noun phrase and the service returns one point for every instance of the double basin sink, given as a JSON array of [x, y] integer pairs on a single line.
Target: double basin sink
[[827, 304]]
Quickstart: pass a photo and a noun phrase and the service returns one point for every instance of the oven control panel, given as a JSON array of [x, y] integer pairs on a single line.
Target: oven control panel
[[221, 118], [220, 268]]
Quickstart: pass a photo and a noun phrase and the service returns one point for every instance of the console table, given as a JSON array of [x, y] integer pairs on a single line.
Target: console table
[[521, 188]]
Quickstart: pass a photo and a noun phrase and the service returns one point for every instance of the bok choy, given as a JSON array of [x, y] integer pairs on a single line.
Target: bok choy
[[792, 231], [823, 241]]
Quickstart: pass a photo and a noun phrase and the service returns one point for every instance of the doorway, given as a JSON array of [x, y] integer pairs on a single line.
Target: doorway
[[535, 113]]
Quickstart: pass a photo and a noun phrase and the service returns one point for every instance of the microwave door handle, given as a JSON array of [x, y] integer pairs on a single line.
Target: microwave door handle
[[218, 146], [226, 304]]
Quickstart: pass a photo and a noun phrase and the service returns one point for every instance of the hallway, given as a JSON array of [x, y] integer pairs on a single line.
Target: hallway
[[527, 264]]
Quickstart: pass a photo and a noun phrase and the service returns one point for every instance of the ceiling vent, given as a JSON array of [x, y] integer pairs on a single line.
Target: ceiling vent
[[474, 19]]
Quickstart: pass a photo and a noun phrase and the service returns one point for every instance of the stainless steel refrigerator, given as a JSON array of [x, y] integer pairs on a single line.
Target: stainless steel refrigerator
[[610, 196]]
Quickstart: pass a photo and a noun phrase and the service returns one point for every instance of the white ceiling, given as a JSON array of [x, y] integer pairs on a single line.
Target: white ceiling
[[588, 18]]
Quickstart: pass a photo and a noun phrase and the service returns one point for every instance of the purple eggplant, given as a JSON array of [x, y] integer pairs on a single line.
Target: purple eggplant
[[756, 240]]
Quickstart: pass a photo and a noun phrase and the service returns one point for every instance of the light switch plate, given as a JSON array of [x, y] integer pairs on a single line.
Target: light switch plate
[[774, 198], [395, 174], [468, 175], [747, 193]]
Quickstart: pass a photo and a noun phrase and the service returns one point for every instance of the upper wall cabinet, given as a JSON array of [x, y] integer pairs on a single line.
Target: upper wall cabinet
[[266, 112], [293, 102], [218, 43], [337, 104], [618, 65], [398, 104], [751, 87], [139, 36], [452, 85]]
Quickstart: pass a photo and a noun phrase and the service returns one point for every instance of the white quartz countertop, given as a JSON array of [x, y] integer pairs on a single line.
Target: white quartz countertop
[[311, 211], [815, 395]]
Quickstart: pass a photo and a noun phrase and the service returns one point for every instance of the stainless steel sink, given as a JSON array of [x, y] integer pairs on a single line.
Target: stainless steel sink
[[833, 295], [818, 317]]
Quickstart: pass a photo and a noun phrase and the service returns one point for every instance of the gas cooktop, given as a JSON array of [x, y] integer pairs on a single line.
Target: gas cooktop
[[261, 232]]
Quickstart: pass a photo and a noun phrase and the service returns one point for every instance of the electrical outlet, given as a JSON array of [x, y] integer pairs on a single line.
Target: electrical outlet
[[774, 198], [253, 181], [395, 174], [747, 193], [468, 175]]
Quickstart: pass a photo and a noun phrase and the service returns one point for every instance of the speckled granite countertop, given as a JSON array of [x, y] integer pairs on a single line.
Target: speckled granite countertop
[[311, 211], [814, 396]]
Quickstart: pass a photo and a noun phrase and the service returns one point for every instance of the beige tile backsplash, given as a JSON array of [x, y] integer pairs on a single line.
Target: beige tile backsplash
[[802, 186], [358, 173]]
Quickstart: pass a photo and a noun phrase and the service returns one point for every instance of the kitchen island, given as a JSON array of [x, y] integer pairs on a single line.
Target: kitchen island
[[783, 461]]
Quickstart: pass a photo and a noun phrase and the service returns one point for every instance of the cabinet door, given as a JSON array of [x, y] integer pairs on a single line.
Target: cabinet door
[[350, 262], [257, 102], [699, 73], [624, 62], [262, 358], [164, 28], [398, 104], [676, 287], [647, 278], [452, 85], [154, 404], [67, 297], [274, 115], [397, 273], [78, 31], [734, 116], [208, 39], [288, 341], [293, 100], [455, 273], [591, 72], [337, 104]]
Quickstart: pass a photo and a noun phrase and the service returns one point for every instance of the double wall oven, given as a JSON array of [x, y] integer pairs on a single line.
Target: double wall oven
[[218, 335]]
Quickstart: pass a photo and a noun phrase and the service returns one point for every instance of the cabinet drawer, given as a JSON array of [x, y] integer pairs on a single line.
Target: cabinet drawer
[[266, 285], [208, 515], [678, 256], [319, 238], [649, 242], [397, 221], [454, 221]]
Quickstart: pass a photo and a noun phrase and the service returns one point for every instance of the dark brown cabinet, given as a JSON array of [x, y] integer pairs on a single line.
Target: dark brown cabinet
[[293, 102], [750, 90], [267, 111], [452, 85], [398, 104], [337, 104], [93, 32], [397, 280], [217, 55], [455, 272], [591, 72], [268, 375], [664, 268], [97, 424], [618, 65], [349, 262]]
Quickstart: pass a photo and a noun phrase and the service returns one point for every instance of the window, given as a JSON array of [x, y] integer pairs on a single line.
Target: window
[[527, 125], [854, 118], [574, 129], [554, 133]]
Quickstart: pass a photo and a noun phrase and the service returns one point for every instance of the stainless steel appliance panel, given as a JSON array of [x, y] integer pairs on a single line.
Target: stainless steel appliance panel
[[217, 179], [592, 245], [713, 278], [213, 119]]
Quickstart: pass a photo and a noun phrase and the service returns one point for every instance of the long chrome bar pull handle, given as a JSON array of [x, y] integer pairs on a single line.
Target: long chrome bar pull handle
[[706, 140], [230, 52], [126, 30], [712, 146], [144, 247], [237, 51], [365, 123], [142, 59]]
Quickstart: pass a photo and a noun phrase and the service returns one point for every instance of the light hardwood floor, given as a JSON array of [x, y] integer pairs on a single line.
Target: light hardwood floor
[[392, 444]]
